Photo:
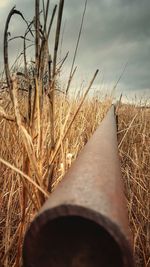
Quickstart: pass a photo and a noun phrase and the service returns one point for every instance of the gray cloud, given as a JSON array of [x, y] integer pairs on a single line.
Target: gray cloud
[[17, 26], [115, 32]]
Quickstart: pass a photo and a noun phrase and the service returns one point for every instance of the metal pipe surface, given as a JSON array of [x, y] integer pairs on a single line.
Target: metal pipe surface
[[84, 222]]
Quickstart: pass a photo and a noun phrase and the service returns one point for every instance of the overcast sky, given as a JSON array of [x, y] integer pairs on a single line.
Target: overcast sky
[[115, 33]]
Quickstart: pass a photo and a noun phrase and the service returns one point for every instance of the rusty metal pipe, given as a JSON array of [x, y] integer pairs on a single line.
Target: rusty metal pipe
[[84, 222]]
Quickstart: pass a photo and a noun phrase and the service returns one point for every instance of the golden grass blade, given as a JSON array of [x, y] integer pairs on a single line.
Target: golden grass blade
[[74, 116], [127, 130], [29, 179], [38, 118], [26, 138], [6, 116]]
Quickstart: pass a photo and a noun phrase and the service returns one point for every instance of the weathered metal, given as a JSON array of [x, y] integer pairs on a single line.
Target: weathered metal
[[84, 222]]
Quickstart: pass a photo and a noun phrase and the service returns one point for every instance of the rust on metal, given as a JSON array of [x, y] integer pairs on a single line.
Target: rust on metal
[[84, 222]]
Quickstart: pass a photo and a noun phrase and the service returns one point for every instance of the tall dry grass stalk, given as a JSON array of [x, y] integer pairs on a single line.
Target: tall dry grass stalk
[[134, 144], [42, 131]]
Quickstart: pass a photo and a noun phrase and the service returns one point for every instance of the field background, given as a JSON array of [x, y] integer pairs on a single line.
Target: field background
[[17, 209]]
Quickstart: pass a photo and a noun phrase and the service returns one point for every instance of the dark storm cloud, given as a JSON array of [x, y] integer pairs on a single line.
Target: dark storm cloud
[[115, 32], [17, 26]]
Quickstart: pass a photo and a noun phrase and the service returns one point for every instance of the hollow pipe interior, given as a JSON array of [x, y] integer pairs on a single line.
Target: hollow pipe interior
[[73, 241]]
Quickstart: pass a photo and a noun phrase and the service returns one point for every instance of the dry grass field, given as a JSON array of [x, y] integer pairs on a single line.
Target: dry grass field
[[42, 130], [134, 140], [21, 199]]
